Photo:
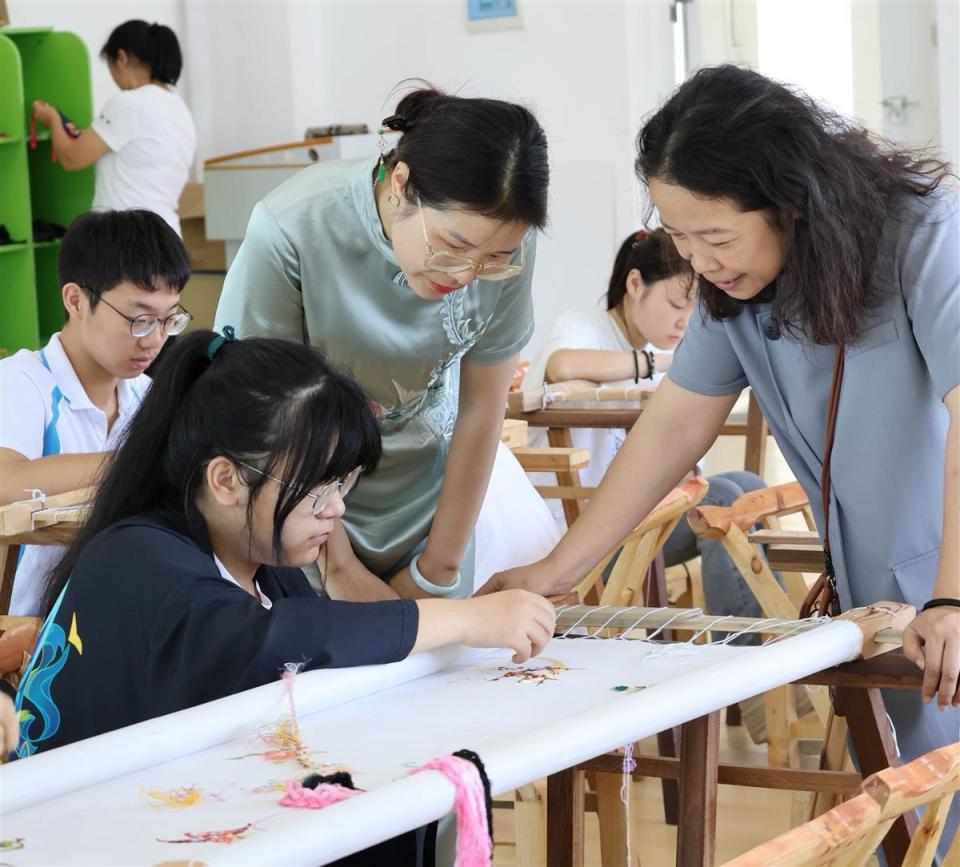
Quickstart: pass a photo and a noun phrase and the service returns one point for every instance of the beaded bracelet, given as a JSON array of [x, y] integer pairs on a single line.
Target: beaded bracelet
[[651, 363]]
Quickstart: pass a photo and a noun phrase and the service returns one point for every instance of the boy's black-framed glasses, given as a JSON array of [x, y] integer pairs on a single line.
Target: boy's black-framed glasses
[[146, 323]]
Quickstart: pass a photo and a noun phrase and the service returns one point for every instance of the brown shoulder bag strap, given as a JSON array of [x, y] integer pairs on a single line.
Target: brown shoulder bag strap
[[823, 598]]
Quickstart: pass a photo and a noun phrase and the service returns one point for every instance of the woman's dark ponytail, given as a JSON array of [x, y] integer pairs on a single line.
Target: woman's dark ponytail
[[155, 45], [486, 155]]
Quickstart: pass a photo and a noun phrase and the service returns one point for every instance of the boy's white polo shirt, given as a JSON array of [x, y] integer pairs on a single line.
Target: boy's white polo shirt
[[45, 411]]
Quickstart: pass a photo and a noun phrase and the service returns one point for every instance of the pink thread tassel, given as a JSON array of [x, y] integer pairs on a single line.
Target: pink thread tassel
[[474, 846], [316, 799]]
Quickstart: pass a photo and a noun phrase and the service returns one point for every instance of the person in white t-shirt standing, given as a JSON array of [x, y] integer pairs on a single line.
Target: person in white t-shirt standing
[[62, 407], [143, 141], [650, 297]]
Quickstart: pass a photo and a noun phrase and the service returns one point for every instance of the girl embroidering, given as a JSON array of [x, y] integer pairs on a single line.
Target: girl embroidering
[[185, 586]]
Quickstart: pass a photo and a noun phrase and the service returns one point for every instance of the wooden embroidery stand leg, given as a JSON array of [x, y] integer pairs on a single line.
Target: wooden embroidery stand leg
[[639, 577], [698, 770], [636, 578]]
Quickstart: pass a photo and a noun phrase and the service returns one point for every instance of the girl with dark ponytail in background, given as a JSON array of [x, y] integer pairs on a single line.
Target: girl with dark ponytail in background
[[650, 297]]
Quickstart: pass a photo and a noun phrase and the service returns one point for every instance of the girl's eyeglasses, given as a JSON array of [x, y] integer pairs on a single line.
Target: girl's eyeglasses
[[324, 496]]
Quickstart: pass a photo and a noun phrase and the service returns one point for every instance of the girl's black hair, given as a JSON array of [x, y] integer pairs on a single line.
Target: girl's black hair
[[831, 186], [486, 155], [103, 249], [654, 255], [276, 405], [154, 45]]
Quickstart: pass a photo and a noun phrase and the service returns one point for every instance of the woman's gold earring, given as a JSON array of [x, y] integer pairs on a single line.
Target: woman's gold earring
[[393, 200]]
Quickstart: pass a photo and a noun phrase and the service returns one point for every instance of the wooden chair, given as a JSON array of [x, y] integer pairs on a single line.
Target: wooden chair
[[40, 521], [18, 635], [639, 549], [791, 552], [849, 834]]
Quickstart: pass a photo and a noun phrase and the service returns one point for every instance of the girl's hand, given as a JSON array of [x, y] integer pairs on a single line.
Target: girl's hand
[[522, 621], [932, 642], [45, 113], [9, 727]]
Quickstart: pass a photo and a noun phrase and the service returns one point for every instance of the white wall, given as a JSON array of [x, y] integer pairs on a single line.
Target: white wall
[[809, 45], [908, 48], [589, 70], [948, 47], [243, 81], [908, 67], [867, 78], [852, 54], [721, 31]]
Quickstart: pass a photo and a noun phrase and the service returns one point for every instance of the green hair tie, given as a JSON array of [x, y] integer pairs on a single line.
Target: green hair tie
[[228, 336]]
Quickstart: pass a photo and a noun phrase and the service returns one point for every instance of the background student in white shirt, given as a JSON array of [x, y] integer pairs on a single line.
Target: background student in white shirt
[[650, 297], [63, 406], [143, 141]]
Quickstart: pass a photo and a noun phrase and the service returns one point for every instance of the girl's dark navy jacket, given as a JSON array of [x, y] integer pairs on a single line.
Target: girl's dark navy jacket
[[147, 625]]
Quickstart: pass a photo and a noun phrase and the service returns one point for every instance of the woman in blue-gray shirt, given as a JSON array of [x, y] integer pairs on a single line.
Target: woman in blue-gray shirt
[[814, 245]]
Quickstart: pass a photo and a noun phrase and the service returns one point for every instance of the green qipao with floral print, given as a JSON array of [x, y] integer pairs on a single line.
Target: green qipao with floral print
[[315, 266]]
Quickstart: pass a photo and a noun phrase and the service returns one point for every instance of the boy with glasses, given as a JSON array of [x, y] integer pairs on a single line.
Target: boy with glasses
[[62, 407]]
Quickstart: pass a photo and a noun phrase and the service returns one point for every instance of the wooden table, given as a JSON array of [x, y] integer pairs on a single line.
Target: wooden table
[[561, 420]]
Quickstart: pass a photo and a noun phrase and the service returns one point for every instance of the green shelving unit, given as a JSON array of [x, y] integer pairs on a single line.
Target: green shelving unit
[[37, 63]]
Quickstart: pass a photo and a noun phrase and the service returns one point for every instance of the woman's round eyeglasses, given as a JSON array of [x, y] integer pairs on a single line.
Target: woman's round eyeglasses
[[450, 263]]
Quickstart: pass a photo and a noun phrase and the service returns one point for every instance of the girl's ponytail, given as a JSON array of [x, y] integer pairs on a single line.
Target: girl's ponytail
[[271, 405], [654, 255]]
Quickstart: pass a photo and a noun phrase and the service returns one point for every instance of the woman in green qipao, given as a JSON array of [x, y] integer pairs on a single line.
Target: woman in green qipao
[[414, 272]]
